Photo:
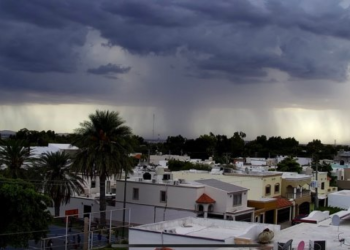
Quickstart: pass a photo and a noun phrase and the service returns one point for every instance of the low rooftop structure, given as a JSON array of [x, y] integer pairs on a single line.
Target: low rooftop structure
[[198, 231], [316, 235], [339, 199]]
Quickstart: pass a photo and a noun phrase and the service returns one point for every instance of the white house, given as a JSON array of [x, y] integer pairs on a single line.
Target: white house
[[157, 199], [198, 231]]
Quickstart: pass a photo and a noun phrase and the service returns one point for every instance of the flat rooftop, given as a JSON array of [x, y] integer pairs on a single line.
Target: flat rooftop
[[165, 182], [322, 231], [342, 193], [205, 228]]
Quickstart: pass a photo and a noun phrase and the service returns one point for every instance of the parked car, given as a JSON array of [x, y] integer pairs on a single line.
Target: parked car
[[298, 219]]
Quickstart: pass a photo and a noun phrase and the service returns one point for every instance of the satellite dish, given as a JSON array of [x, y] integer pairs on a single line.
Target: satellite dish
[[335, 220]]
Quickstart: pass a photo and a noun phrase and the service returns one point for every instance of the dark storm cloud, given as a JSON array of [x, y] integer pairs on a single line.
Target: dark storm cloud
[[108, 69], [235, 40], [239, 40]]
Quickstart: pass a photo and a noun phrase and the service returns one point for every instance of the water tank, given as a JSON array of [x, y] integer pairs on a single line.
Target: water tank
[[147, 176], [159, 170]]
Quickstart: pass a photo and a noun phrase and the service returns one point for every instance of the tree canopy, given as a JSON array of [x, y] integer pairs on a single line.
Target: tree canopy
[[104, 144], [289, 164], [59, 182], [24, 214]]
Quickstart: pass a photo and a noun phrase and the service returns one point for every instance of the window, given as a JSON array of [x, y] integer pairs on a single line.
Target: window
[[237, 199], [277, 188], [93, 182], [135, 193], [322, 185], [268, 190], [163, 197]]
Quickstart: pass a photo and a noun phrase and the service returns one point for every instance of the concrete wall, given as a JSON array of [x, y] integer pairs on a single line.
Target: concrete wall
[[343, 184], [178, 196], [144, 237], [339, 200], [143, 214], [221, 198]]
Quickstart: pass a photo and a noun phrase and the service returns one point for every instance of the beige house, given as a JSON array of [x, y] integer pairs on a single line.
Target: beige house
[[260, 184], [265, 192], [296, 187]]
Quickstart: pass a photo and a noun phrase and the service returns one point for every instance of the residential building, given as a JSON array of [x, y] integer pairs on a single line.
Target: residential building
[[155, 159], [321, 236], [191, 230], [342, 157], [157, 199], [323, 187], [296, 187], [265, 191]]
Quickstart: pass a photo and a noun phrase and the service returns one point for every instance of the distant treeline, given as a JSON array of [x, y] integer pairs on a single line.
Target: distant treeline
[[221, 147]]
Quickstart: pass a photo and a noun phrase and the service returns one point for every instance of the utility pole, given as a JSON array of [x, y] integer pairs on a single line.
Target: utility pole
[[124, 201], [316, 188], [86, 233]]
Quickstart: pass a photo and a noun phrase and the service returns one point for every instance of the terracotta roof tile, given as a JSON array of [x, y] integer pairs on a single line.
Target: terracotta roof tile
[[283, 202], [205, 199], [138, 156]]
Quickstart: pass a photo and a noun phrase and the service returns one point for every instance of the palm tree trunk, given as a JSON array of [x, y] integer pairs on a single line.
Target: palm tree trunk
[[103, 199], [57, 209]]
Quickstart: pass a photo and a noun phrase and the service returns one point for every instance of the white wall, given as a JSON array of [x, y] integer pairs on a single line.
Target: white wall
[[338, 200], [178, 196], [143, 214], [220, 197], [144, 237], [254, 184]]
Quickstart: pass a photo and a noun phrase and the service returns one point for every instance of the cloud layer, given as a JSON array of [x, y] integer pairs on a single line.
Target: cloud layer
[[180, 57]]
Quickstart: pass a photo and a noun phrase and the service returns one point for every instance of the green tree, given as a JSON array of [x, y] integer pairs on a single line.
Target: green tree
[[60, 183], [175, 144], [24, 214], [16, 157], [237, 143], [104, 145], [289, 164]]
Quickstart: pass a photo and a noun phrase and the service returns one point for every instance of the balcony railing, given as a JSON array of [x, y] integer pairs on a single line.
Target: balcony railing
[[299, 194]]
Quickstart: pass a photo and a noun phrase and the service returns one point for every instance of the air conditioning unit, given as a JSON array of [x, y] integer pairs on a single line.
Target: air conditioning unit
[[154, 180], [182, 181], [140, 179], [176, 182]]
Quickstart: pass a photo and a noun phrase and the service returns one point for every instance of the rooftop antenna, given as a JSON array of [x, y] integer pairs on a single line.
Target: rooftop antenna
[[154, 117]]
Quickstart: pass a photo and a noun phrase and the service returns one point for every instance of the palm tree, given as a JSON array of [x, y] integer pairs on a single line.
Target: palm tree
[[16, 156], [104, 144], [59, 182]]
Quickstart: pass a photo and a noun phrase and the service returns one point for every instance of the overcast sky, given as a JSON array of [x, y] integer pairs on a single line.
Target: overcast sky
[[273, 67]]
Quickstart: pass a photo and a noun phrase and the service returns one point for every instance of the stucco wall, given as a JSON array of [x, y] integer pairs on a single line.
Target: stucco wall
[[143, 214], [337, 200], [144, 237], [178, 196]]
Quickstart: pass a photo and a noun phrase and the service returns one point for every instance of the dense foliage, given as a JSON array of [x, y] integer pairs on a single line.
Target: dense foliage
[[289, 164], [16, 157], [23, 213]]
